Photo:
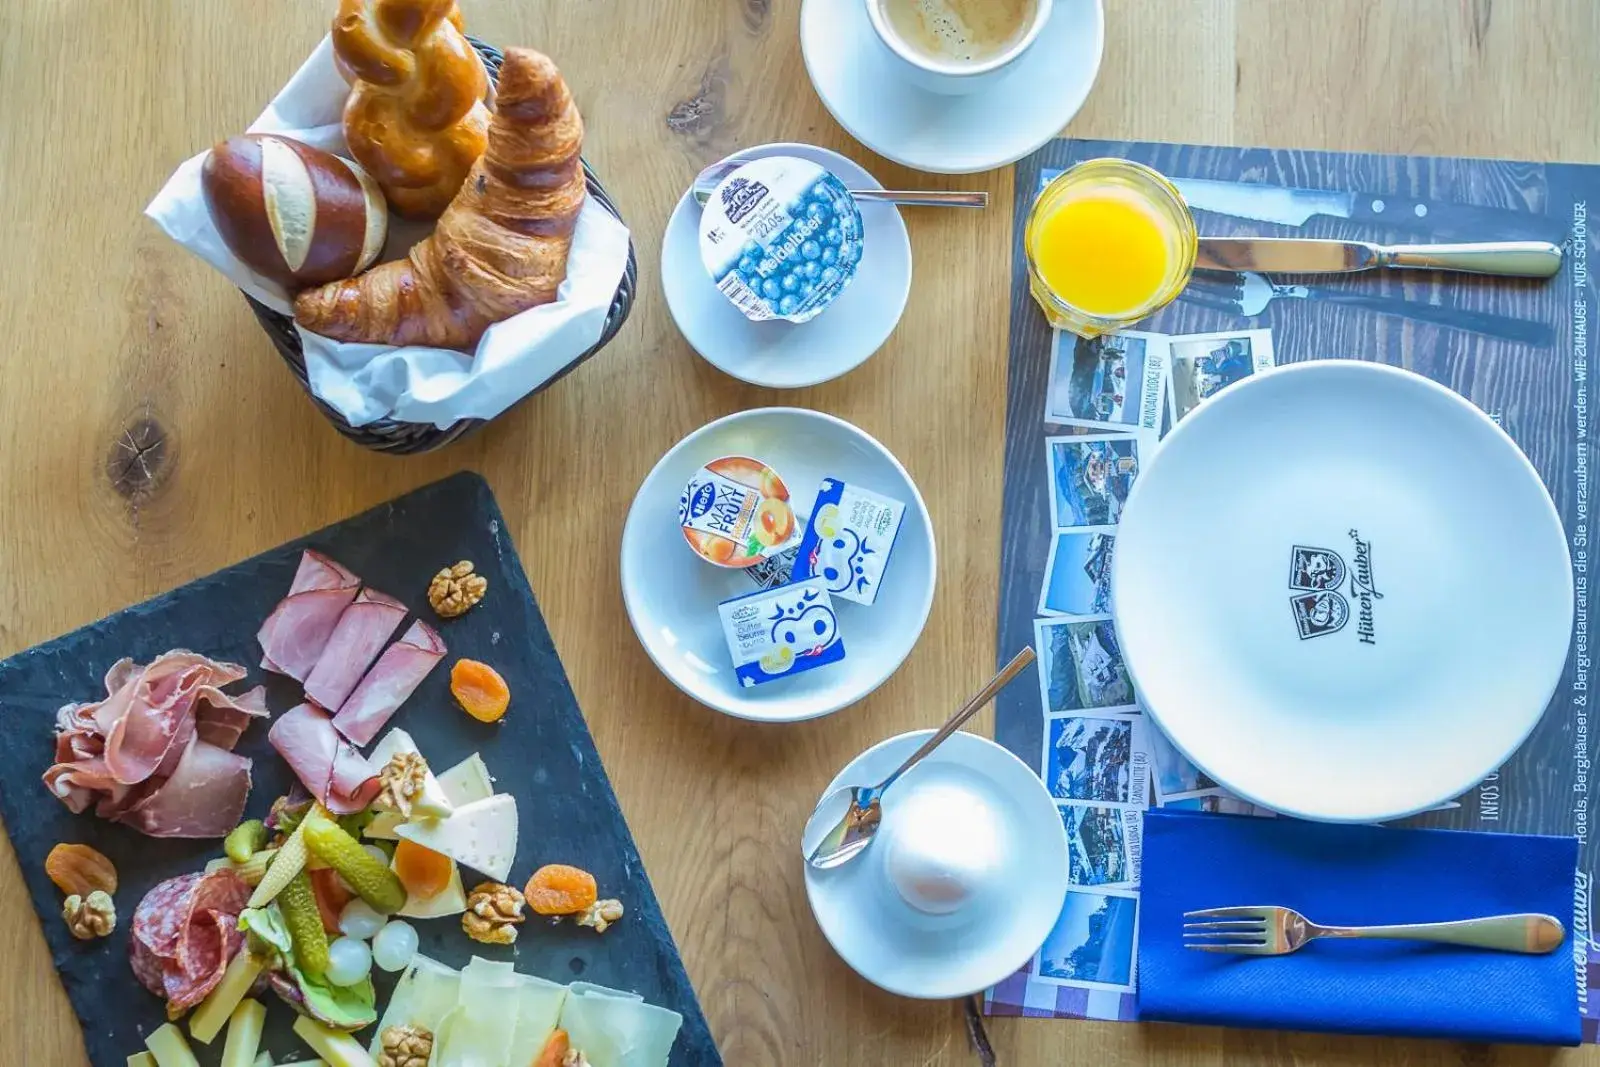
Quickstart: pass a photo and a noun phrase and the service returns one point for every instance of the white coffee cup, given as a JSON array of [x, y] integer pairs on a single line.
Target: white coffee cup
[[953, 76]]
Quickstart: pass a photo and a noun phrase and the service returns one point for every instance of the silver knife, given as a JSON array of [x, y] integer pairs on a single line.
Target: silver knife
[[1295, 255]]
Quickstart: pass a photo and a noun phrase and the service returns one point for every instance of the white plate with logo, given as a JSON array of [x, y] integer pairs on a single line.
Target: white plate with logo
[[672, 594], [855, 76], [1342, 591], [788, 355]]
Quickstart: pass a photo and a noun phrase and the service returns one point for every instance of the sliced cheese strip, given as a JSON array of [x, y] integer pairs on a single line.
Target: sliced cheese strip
[[423, 997], [480, 1028], [481, 835], [538, 1007], [451, 900], [615, 1029], [432, 800]]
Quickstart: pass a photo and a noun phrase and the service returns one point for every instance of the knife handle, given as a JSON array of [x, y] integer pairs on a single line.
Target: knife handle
[[1512, 259]]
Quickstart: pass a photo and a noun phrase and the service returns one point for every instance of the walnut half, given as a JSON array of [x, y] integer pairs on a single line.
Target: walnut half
[[402, 779], [405, 1046], [493, 912], [90, 917], [456, 589], [601, 914], [575, 1058]]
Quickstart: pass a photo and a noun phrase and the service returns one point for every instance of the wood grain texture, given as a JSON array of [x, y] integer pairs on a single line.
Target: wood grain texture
[[150, 435]]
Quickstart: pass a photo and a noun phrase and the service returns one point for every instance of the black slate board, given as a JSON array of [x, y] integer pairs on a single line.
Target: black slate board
[[541, 752]]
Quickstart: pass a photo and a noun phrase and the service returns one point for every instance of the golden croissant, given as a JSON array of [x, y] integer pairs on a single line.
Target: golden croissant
[[500, 247]]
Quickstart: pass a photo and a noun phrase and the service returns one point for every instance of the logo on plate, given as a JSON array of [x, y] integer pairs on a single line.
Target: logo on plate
[[1319, 604], [1316, 614]]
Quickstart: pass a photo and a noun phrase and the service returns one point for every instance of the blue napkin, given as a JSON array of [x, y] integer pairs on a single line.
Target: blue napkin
[[1357, 875]]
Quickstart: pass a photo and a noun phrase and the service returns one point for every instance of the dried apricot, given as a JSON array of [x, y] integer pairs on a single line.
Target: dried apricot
[[557, 889], [555, 1050], [424, 872], [78, 870], [480, 690]]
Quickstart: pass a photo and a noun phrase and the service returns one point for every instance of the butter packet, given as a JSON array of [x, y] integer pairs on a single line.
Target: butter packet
[[848, 540], [776, 633], [781, 237]]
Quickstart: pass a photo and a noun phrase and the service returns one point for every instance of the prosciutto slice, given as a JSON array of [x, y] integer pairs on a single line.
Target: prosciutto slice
[[298, 629], [156, 752], [328, 765], [364, 628], [205, 796], [392, 679]]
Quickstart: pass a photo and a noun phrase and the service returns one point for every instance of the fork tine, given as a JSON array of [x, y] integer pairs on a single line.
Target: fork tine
[[1226, 924], [1258, 912], [1237, 950], [1224, 935]]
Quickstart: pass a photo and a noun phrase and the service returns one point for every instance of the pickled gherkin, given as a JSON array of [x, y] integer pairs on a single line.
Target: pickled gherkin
[[298, 903], [372, 881]]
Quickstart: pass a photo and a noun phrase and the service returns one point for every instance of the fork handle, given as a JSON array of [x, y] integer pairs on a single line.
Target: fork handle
[[1531, 934]]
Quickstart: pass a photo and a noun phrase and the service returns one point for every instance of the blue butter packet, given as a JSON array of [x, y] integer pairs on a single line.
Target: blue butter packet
[[848, 540], [777, 633]]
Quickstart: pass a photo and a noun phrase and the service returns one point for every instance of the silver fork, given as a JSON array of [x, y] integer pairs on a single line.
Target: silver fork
[[1269, 930]]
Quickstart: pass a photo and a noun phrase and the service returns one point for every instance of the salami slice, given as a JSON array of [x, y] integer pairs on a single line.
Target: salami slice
[[147, 967], [159, 920]]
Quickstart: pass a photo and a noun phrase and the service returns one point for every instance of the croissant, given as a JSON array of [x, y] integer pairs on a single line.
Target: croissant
[[415, 117], [501, 246]]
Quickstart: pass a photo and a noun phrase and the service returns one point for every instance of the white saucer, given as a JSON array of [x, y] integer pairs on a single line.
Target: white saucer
[[783, 355], [914, 954], [672, 594], [1242, 555], [992, 127]]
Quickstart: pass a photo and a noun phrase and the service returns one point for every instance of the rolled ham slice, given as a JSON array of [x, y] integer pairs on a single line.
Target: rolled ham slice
[[205, 796], [298, 629], [328, 765], [363, 630], [392, 679]]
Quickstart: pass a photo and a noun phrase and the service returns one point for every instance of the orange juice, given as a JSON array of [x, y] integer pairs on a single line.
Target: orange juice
[[1108, 242]]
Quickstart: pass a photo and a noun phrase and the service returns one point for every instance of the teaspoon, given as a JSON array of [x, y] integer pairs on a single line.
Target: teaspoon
[[707, 180]]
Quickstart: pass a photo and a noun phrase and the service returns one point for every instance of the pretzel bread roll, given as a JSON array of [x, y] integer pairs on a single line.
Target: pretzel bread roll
[[293, 213]]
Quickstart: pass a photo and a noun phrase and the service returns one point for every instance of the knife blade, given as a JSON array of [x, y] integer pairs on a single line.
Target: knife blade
[[1296, 255], [1287, 206]]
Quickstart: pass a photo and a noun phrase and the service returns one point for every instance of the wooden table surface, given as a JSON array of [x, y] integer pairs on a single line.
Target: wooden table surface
[[149, 434]]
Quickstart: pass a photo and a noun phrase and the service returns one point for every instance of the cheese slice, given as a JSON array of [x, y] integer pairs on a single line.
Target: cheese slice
[[432, 800], [462, 784], [480, 1029], [481, 835], [451, 900], [339, 1049], [538, 1007], [424, 996], [207, 1021], [244, 1034], [615, 1029]]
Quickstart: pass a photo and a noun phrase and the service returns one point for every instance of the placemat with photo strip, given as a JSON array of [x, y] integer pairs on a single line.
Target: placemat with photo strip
[[1082, 417]]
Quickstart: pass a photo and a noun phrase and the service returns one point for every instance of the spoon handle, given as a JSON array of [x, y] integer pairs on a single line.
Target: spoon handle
[[967, 711], [928, 198]]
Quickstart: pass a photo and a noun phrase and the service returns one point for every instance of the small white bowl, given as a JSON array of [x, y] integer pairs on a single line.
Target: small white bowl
[[1008, 905], [862, 85], [787, 355], [672, 595], [1342, 591]]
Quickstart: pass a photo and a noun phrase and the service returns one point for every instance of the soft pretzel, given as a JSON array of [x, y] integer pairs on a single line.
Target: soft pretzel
[[415, 118], [499, 249]]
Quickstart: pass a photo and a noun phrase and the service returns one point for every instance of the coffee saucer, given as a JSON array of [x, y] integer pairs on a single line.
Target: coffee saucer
[[992, 127], [986, 916], [786, 355]]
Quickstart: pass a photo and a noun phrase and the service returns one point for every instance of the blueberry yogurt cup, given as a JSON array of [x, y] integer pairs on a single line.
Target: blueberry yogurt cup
[[781, 238]]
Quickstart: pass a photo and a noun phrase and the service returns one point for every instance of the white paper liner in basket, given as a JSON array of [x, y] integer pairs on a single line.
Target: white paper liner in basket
[[368, 382]]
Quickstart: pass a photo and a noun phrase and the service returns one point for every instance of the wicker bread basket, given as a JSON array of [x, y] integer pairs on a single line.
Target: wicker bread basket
[[407, 438]]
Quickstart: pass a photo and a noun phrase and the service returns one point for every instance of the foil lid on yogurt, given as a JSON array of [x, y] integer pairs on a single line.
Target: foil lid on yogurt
[[781, 238]]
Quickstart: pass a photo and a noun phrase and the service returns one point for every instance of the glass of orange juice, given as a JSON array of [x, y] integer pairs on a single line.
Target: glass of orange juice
[[1108, 243]]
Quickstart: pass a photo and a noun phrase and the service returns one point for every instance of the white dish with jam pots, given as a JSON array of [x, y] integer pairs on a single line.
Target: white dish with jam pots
[[672, 594], [863, 86], [1342, 591], [780, 354]]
